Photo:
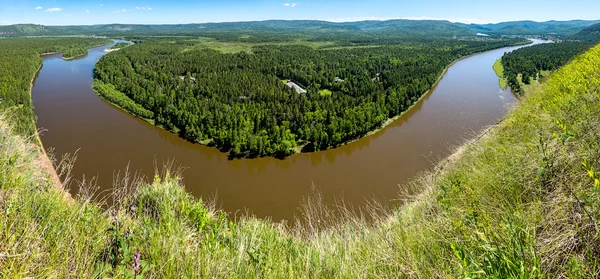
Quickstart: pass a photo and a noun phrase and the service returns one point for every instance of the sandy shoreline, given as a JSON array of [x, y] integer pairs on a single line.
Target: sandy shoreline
[[45, 162]]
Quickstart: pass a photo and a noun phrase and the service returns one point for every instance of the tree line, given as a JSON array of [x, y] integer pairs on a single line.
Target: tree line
[[239, 103], [529, 62], [75, 52]]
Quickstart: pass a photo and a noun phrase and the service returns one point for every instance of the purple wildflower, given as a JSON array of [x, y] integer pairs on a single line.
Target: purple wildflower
[[136, 261]]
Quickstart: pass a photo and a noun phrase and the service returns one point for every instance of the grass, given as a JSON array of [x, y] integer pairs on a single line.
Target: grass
[[499, 69], [534, 84], [520, 202], [325, 92], [235, 47]]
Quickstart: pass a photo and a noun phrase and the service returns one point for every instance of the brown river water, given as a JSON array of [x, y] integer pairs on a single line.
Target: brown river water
[[466, 100]]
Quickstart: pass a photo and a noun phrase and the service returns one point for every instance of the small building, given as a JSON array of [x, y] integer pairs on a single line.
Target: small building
[[337, 79], [296, 86], [183, 78], [376, 77]]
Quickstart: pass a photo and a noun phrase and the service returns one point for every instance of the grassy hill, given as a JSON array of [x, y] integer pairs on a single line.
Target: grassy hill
[[521, 202]]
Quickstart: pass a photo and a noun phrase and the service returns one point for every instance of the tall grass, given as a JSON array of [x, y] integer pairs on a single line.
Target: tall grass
[[521, 202]]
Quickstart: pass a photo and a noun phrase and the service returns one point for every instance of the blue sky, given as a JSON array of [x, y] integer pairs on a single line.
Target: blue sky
[[65, 12]]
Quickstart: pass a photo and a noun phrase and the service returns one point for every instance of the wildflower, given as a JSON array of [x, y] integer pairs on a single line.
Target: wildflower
[[136, 261]]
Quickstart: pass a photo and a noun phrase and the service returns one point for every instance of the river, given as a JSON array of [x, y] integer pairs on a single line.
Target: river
[[73, 118]]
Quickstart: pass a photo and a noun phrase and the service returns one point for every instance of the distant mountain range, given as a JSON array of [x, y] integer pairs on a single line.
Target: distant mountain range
[[532, 27], [400, 26]]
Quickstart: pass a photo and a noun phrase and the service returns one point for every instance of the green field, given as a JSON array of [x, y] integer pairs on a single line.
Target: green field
[[235, 47], [499, 69], [325, 92]]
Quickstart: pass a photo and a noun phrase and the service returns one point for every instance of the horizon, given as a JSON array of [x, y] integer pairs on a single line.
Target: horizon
[[275, 19], [155, 12]]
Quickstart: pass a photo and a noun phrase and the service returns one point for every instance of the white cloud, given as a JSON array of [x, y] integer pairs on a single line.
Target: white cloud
[[144, 8], [101, 5], [291, 5], [38, 8], [120, 11], [87, 11], [52, 10]]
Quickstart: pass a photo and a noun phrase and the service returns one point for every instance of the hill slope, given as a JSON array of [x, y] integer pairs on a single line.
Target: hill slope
[[590, 32], [24, 29], [532, 27]]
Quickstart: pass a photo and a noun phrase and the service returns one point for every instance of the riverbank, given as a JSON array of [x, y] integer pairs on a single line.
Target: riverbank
[[73, 56], [306, 147], [499, 70], [390, 121], [519, 202], [45, 161]]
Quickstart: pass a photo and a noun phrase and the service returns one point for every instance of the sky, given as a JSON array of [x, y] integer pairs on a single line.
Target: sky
[[87, 12]]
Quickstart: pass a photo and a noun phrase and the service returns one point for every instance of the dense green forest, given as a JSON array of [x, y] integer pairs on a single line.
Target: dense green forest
[[238, 102], [75, 52], [531, 61], [19, 62]]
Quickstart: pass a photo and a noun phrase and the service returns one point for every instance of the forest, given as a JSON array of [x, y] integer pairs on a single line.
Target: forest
[[240, 103], [529, 62], [19, 63]]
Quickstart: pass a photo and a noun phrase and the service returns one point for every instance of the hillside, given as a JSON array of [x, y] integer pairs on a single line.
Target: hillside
[[404, 27], [532, 27], [521, 202], [591, 32], [25, 29]]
